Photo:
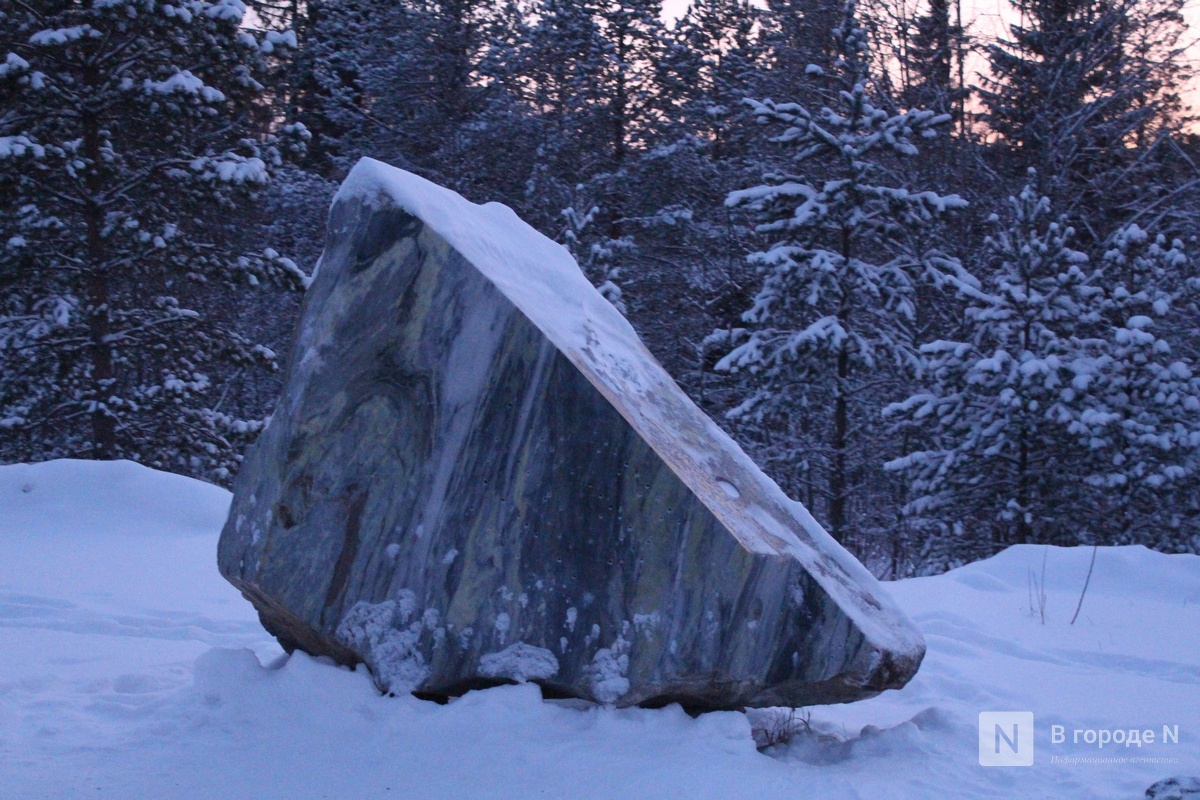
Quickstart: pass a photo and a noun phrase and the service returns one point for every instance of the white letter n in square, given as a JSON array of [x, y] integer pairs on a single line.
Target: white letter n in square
[[1006, 738]]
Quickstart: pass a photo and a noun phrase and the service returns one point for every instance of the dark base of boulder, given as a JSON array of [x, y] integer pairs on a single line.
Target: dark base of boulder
[[1178, 788]]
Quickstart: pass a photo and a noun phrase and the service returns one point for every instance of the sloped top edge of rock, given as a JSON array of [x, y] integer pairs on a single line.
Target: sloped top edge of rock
[[541, 278]]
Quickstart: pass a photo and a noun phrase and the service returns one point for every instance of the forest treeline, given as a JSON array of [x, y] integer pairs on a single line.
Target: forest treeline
[[942, 288]]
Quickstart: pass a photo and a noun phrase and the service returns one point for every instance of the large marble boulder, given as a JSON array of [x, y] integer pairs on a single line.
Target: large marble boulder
[[477, 474]]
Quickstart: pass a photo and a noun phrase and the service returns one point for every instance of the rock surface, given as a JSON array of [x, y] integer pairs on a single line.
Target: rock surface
[[1179, 788], [477, 474]]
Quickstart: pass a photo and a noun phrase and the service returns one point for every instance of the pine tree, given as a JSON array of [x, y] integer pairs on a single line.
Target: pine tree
[[798, 33], [597, 255], [588, 69], [842, 279], [132, 134], [996, 403], [635, 36], [558, 77], [716, 56], [1136, 399], [393, 79]]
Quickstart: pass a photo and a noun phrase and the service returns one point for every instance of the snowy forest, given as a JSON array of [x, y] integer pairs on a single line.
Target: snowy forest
[[942, 287]]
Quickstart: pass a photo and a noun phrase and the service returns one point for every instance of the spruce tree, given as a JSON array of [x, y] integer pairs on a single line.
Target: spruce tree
[[798, 33], [1076, 83], [937, 43], [558, 77]]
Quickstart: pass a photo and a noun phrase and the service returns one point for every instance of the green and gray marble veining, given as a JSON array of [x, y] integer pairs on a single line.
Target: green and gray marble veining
[[443, 495]]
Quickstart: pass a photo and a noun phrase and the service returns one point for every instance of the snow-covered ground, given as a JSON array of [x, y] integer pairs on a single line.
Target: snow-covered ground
[[130, 669]]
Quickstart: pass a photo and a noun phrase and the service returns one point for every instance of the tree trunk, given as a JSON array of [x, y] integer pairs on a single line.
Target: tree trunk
[[841, 424], [841, 411], [100, 351], [1023, 526]]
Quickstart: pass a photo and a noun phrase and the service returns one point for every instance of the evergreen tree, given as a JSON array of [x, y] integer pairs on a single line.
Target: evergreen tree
[[589, 71], [500, 120], [841, 281], [393, 79], [1136, 400], [715, 59], [1077, 83], [558, 77], [131, 135], [597, 255], [635, 36], [937, 42], [798, 33], [996, 403]]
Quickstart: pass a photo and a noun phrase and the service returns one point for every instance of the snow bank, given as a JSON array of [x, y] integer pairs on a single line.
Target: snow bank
[[101, 534], [132, 670]]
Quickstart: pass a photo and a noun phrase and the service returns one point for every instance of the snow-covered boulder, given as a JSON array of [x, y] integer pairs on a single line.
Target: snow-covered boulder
[[478, 474]]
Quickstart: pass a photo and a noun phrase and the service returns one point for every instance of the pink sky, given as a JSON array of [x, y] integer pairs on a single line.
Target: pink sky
[[987, 15]]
